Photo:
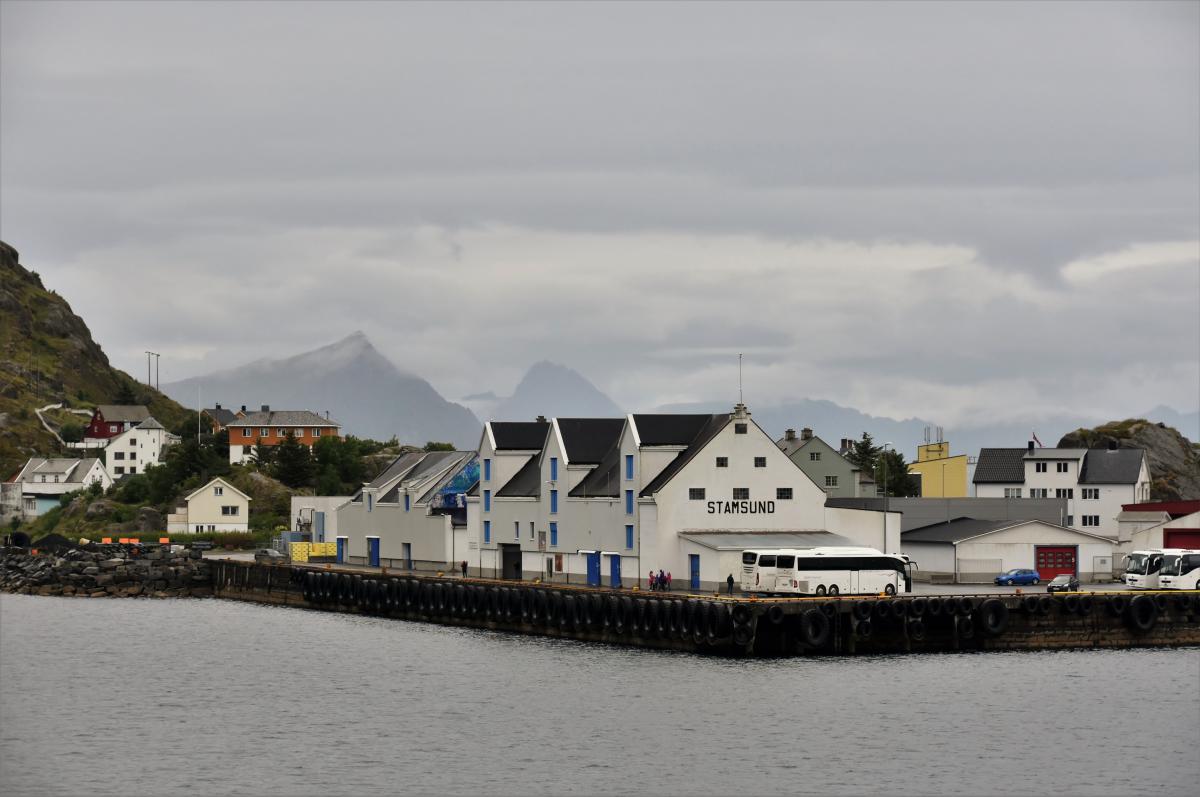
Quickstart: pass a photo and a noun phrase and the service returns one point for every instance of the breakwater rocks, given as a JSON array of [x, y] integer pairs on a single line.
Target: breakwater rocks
[[99, 571]]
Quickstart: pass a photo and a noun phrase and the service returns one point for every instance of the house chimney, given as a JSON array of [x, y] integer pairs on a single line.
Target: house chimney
[[326, 414], [243, 408], [790, 434], [806, 433], [540, 419], [1030, 446], [266, 408], [218, 405]]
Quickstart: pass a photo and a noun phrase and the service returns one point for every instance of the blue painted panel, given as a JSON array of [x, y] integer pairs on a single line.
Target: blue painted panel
[[629, 466], [614, 574], [406, 550], [553, 501], [321, 525], [629, 537], [593, 569], [487, 470], [341, 550], [373, 553], [407, 503], [629, 502], [553, 533], [694, 567], [487, 531], [553, 468], [487, 500]]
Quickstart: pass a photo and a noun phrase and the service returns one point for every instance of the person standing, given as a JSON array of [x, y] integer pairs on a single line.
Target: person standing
[[729, 583], [464, 568], [650, 581]]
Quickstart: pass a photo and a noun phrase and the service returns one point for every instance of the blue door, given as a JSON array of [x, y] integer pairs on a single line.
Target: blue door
[[593, 569], [373, 551], [407, 551], [615, 570], [341, 550], [694, 567]]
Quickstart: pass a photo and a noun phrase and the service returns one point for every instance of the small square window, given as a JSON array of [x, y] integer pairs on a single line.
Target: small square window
[[740, 428], [831, 481], [783, 493], [814, 456], [741, 493], [695, 493], [760, 462], [218, 491], [722, 462]]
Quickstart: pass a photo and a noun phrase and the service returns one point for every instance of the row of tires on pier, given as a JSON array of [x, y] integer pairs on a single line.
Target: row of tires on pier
[[698, 621]]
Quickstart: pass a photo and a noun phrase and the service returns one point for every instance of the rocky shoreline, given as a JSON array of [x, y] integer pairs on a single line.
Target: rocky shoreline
[[106, 571]]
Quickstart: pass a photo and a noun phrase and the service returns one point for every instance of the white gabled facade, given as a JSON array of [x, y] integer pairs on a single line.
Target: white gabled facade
[[217, 506], [136, 449]]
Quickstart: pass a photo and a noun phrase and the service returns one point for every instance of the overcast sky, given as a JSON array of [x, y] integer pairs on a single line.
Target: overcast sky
[[963, 212]]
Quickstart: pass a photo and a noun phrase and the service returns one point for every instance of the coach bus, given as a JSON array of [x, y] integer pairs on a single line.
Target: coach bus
[[1142, 568], [1180, 569], [825, 571]]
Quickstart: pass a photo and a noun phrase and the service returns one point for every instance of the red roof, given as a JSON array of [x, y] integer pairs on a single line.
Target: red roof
[[1173, 508]]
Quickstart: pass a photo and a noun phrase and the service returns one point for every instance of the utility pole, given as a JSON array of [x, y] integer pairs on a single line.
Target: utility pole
[[156, 371], [148, 382]]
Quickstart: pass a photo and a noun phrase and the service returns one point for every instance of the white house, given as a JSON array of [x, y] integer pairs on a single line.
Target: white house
[[44, 481], [1179, 532], [607, 500], [137, 448], [969, 550], [217, 506], [1095, 482]]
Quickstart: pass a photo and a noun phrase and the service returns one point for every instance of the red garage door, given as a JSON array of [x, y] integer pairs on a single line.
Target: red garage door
[[1054, 560], [1181, 538]]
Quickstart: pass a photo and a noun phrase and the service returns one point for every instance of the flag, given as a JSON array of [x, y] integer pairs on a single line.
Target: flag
[[1039, 442]]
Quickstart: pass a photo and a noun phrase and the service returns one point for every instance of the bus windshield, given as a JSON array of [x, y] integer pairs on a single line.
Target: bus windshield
[[749, 557], [1137, 564], [1170, 564]]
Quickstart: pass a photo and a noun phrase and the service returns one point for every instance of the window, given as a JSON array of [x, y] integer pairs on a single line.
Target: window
[[783, 493], [118, 455], [1039, 467], [1090, 493], [553, 501], [629, 502], [297, 433], [629, 538], [553, 469], [370, 501], [629, 466], [553, 533], [487, 531], [814, 456], [531, 530], [247, 431], [1036, 492], [218, 491], [407, 504], [516, 530], [1062, 467], [1091, 520], [487, 500], [741, 493], [487, 470], [695, 493], [740, 428], [1064, 492], [831, 481], [229, 511], [722, 462], [117, 470], [264, 432], [114, 428], [132, 469], [1070, 521], [1012, 492], [316, 431], [281, 432], [760, 462]]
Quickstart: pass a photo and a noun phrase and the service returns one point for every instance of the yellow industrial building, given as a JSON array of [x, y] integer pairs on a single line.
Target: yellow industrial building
[[942, 475]]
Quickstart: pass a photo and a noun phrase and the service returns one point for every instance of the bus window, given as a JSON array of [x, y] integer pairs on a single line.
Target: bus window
[[748, 557], [786, 562], [766, 560]]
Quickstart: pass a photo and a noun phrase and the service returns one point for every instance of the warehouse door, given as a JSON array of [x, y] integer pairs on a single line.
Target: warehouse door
[[1054, 560], [694, 570], [373, 551], [341, 550], [510, 561], [614, 567], [1181, 538], [593, 568]]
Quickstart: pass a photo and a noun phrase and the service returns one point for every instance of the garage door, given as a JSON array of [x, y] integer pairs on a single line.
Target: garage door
[[1054, 560], [1181, 538]]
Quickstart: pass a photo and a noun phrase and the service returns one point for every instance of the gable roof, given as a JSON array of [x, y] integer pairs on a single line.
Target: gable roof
[[587, 440], [962, 529], [519, 435], [131, 413], [284, 418], [1112, 466], [525, 483], [399, 467], [604, 480], [150, 423], [1000, 466], [429, 465], [224, 483], [222, 415], [671, 430], [57, 465], [706, 432]]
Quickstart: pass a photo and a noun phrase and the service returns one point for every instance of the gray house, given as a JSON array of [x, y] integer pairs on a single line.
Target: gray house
[[832, 472]]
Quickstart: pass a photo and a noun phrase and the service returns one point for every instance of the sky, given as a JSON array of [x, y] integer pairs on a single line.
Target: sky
[[965, 212]]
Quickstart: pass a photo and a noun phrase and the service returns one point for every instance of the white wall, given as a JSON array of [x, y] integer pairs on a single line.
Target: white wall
[[205, 508], [1153, 537], [317, 503]]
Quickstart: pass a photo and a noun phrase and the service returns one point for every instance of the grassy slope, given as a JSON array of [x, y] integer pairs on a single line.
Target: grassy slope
[[47, 355]]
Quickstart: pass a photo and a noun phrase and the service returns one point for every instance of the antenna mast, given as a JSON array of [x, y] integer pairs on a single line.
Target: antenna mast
[[740, 380]]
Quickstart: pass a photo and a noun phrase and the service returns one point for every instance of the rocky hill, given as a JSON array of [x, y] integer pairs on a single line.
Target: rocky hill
[[47, 355], [1174, 460]]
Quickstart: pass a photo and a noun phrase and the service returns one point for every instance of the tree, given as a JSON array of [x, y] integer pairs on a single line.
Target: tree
[[899, 482], [125, 395], [264, 455], [328, 482], [864, 454], [432, 446], [71, 432], [293, 465]]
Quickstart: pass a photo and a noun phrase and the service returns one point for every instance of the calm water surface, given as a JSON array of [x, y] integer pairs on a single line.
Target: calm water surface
[[213, 697]]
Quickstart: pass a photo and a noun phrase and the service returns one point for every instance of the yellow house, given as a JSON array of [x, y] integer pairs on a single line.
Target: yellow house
[[942, 475]]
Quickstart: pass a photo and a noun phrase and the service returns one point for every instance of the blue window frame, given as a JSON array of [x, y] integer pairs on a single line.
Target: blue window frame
[[487, 470], [407, 504], [629, 538], [629, 502], [553, 469], [553, 501], [487, 531], [553, 533], [629, 466], [487, 500]]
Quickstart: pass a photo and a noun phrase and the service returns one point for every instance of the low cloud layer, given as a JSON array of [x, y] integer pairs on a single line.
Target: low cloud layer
[[966, 213]]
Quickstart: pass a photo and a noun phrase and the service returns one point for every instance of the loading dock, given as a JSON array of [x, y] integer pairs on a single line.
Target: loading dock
[[1055, 560]]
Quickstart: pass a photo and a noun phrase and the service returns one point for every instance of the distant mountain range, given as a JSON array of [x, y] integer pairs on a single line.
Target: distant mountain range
[[350, 379], [546, 389]]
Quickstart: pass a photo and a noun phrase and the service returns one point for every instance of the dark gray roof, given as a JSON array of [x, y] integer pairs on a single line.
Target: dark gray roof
[[1112, 466], [525, 483], [706, 432], [150, 423], [284, 418], [428, 465], [1000, 466], [520, 435], [587, 440], [221, 415], [400, 466], [671, 430], [132, 413], [604, 480], [956, 530]]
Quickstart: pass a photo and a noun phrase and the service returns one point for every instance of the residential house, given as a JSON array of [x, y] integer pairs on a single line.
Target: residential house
[[136, 449], [271, 427], [825, 465], [217, 506], [110, 420], [44, 481], [219, 417]]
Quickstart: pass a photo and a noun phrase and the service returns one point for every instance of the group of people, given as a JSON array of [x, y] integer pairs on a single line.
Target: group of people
[[659, 581]]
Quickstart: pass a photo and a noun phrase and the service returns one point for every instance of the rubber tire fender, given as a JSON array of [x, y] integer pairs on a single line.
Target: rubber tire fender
[[1117, 605], [344, 585], [624, 614], [650, 627], [1142, 614], [1070, 604], [1160, 602], [966, 606], [775, 614], [917, 607], [741, 614], [310, 580], [862, 610], [1086, 605], [1029, 604], [700, 622], [815, 628], [965, 626], [934, 607], [1044, 604], [567, 615], [899, 608], [687, 618], [863, 629], [993, 616], [950, 606], [916, 629], [882, 609], [555, 608], [742, 635]]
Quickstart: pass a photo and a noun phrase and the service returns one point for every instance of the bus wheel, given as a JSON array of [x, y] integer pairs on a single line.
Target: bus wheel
[[890, 589], [820, 589], [833, 589]]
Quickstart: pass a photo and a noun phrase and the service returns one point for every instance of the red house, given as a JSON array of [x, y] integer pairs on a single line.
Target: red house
[[110, 420]]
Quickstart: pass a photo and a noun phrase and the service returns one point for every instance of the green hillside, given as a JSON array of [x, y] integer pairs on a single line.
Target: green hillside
[[47, 355]]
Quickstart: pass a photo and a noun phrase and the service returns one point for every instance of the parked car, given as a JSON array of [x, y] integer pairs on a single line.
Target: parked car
[[1063, 583], [1018, 576], [268, 556]]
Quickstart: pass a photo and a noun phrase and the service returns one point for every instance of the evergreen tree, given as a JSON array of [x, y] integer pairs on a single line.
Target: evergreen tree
[[293, 465], [894, 471], [328, 482], [125, 395], [433, 446], [864, 454]]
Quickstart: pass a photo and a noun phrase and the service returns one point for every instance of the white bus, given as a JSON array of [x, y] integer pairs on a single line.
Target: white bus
[[825, 571], [1180, 569], [1141, 569]]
